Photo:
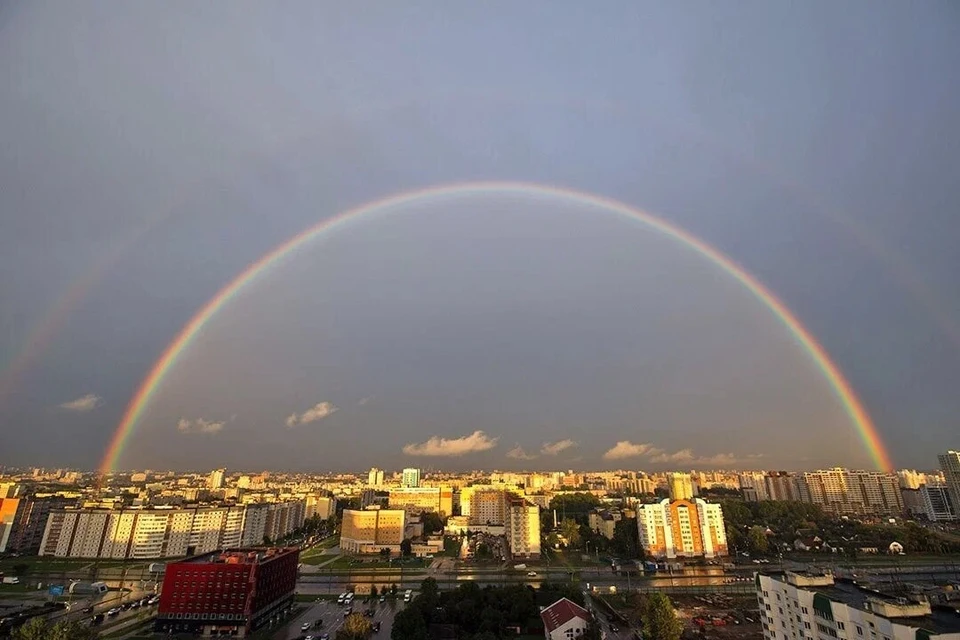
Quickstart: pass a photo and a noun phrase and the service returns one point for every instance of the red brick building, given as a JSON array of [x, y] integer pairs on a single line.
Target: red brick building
[[227, 593]]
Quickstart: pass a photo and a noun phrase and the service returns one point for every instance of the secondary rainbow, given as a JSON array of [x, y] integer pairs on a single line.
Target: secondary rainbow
[[855, 410]]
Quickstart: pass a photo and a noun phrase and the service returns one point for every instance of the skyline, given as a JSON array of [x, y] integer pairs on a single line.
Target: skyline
[[810, 152]]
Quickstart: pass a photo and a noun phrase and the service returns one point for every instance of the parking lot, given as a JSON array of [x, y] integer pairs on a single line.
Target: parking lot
[[332, 615]]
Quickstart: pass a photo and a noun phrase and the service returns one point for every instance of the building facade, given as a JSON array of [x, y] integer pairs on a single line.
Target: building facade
[[370, 530], [794, 606], [680, 486], [564, 620], [845, 491], [682, 529], [416, 500], [166, 532], [522, 528], [227, 593], [950, 465], [410, 478]]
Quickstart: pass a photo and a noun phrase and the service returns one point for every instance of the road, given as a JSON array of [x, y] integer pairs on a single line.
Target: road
[[332, 615], [606, 626]]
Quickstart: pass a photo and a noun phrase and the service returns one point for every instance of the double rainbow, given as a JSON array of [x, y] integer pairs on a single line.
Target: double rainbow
[[841, 387]]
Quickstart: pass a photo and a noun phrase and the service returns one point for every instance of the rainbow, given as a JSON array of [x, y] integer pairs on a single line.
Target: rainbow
[[148, 387]]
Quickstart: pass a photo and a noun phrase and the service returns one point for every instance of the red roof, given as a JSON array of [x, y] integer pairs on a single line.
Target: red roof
[[561, 612]]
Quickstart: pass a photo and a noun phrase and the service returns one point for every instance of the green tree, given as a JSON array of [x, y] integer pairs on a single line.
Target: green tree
[[409, 625], [393, 589], [626, 538], [20, 569], [659, 620], [406, 547], [576, 505], [385, 553], [40, 629], [355, 627], [570, 530], [757, 540], [592, 632], [432, 522]]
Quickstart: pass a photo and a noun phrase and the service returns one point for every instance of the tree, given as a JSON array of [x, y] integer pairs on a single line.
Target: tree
[[20, 569], [575, 504], [659, 620], [40, 629], [355, 627], [570, 530], [373, 591], [592, 632], [757, 540], [626, 538], [393, 589], [409, 625], [432, 522], [385, 553], [406, 547]]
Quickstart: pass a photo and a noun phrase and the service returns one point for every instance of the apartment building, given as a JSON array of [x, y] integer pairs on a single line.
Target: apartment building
[[797, 606], [165, 532], [370, 530], [522, 528], [950, 465], [410, 478], [680, 486], [416, 500], [682, 529], [483, 504], [845, 491]]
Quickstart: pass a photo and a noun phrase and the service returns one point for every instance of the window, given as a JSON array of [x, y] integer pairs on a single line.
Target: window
[[806, 625], [804, 610], [859, 630], [839, 625]]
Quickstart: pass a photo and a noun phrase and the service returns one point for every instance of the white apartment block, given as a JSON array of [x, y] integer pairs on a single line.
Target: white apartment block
[[950, 465], [808, 607], [165, 533], [522, 528], [845, 491]]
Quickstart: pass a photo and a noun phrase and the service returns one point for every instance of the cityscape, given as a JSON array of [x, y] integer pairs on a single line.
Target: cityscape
[[419, 320], [886, 539]]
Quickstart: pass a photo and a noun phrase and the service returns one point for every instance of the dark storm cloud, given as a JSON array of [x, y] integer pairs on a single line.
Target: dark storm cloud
[[223, 128]]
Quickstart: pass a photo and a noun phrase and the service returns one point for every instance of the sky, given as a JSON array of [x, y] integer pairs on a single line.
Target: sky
[[149, 152]]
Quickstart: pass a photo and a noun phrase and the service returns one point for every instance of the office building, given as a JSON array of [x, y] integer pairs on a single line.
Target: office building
[[522, 528], [680, 486], [794, 606], [228, 593], [682, 529], [370, 530], [950, 465], [375, 477], [410, 478], [215, 481]]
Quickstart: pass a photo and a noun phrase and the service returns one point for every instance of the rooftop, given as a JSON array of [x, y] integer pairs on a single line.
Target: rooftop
[[241, 556], [561, 612]]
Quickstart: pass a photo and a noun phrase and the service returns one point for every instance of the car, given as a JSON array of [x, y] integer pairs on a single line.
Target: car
[[114, 612], [88, 609], [305, 626], [318, 623], [383, 598], [532, 574], [376, 626], [614, 628], [325, 636], [369, 613]]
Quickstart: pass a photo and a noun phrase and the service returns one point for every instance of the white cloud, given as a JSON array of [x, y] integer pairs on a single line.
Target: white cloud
[[627, 449], [200, 426], [363, 401], [83, 404], [684, 455], [318, 411], [437, 446], [556, 448], [517, 453]]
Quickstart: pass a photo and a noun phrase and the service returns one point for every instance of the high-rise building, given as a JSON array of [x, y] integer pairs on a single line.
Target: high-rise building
[[682, 528], [950, 465], [937, 503], [370, 530], [680, 486], [166, 533], [753, 485], [522, 528], [410, 478], [31, 520], [485, 505], [844, 491], [8, 515], [215, 481], [815, 606], [227, 593], [375, 477]]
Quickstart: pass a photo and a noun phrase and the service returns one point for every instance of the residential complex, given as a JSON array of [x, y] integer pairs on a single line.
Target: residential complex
[[681, 486], [795, 606], [950, 466], [166, 532], [373, 529], [227, 593], [416, 500], [410, 478], [844, 491], [682, 529], [522, 528]]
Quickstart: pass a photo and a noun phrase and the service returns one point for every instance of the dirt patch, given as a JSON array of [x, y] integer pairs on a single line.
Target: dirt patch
[[719, 616]]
